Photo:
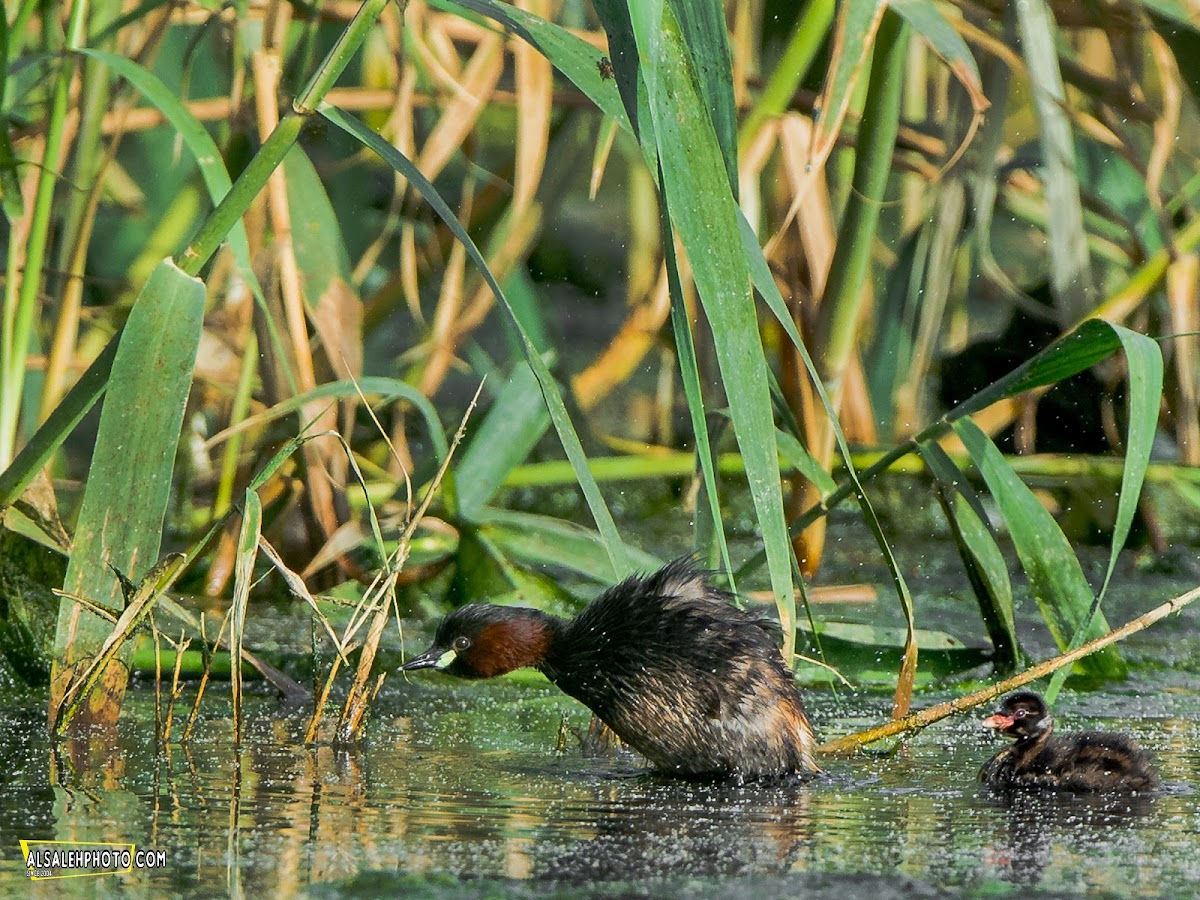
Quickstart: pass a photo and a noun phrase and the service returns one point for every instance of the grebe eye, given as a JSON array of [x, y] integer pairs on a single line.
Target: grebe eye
[[461, 643]]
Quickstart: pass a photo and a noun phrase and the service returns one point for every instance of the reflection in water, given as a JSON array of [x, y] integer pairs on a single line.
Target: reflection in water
[[1035, 823], [654, 827], [474, 789]]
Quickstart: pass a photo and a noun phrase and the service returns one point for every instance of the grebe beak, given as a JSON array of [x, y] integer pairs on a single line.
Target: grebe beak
[[997, 722], [433, 658]]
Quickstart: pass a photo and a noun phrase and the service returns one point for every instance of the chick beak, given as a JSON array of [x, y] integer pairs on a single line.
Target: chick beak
[[433, 658], [997, 722]]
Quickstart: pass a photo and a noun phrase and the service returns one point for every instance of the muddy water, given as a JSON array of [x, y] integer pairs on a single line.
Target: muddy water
[[459, 792]]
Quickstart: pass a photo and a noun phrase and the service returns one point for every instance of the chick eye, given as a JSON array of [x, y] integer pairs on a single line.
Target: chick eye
[[461, 643], [1020, 714]]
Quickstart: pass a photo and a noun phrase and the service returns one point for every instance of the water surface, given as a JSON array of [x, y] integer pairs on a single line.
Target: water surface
[[458, 791]]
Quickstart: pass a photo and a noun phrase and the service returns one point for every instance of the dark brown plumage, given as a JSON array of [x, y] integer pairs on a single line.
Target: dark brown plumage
[[692, 683], [1085, 762]]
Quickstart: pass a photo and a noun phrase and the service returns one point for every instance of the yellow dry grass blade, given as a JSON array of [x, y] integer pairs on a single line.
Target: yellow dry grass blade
[[379, 603]]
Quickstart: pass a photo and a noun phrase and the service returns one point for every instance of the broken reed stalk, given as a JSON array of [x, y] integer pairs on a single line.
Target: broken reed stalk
[[90, 671], [355, 709], [176, 685], [310, 734], [852, 742], [158, 710], [209, 653]]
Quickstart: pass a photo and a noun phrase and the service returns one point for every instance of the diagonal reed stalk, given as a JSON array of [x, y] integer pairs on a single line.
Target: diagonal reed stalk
[[19, 311], [270, 156], [141, 603], [382, 602], [852, 742]]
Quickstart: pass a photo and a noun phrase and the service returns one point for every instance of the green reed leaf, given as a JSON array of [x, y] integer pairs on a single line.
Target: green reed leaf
[[550, 389], [1056, 578]]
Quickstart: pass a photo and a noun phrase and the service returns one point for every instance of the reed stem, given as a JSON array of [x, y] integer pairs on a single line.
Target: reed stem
[[22, 300], [852, 742]]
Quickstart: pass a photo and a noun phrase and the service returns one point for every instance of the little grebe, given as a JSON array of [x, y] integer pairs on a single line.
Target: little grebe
[[1091, 761], [694, 684]]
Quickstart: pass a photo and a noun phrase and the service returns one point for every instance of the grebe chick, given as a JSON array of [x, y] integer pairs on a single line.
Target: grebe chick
[[1086, 762], [692, 683]]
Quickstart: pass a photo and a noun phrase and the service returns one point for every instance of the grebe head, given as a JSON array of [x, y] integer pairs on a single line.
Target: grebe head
[[482, 641], [1022, 715]]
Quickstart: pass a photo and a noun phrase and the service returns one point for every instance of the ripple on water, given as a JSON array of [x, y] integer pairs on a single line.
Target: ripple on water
[[471, 788]]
